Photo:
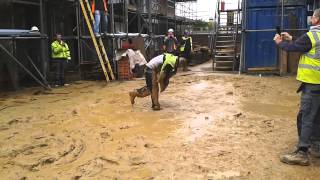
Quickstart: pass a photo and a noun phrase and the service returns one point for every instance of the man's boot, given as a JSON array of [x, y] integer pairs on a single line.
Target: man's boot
[[296, 158], [143, 92]]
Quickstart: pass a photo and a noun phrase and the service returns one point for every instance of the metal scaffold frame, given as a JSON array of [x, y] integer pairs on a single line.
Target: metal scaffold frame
[[152, 24], [226, 52], [188, 11]]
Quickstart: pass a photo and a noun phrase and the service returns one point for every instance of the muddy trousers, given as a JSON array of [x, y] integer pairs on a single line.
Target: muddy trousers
[[151, 88], [308, 117]]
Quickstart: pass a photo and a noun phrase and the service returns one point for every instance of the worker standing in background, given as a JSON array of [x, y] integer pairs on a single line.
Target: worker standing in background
[[100, 9], [60, 57], [167, 64], [170, 43], [186, 49], [309, 76]]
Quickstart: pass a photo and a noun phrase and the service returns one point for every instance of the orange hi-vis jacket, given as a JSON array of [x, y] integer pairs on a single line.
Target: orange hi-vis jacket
[[93, 6]]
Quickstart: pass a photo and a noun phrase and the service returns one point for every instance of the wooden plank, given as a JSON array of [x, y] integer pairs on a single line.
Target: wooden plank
[[283, 57]]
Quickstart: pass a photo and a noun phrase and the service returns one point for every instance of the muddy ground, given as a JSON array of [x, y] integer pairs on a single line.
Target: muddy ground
[[211, 126]]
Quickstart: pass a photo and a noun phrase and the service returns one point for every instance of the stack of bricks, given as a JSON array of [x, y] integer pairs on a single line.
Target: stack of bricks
[[124, 69]]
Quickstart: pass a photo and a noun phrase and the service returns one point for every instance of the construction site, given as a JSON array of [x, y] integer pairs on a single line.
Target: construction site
[[223, 77]]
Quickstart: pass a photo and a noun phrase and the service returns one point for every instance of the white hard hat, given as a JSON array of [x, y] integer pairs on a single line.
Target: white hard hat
[[170, 30], [35, 28]]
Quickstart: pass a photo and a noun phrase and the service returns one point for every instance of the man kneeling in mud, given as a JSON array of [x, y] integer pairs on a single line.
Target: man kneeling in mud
[[167, 64]]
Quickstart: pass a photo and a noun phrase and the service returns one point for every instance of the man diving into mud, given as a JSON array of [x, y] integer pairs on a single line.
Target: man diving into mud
[[166, 64]]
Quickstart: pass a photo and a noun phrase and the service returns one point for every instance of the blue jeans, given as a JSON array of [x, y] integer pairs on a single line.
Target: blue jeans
[[97, 17]]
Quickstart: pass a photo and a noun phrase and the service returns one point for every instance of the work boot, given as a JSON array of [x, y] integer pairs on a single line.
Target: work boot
[[296, 158], [133, 95]]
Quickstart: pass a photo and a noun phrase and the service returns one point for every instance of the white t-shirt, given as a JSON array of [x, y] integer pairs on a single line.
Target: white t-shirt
[[155, 62]]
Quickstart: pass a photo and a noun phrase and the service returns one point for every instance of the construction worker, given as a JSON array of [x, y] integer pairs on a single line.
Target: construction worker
[[60, 56], [168, 64], [170, 42], [309, 76], [186, 49], [100, 9]]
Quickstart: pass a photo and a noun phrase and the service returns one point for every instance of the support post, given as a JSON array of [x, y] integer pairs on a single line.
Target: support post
[[126, 16], [79, 39], [43, 48]]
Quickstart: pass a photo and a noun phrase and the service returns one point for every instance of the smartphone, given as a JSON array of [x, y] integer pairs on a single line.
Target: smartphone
[[278, 30]]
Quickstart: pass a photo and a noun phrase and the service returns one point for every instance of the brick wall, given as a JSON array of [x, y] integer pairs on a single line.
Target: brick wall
[[124, 69]]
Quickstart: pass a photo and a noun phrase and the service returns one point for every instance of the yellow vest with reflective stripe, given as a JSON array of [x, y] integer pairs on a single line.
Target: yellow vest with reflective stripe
[[309, 64], [169, 59], [185, 41]]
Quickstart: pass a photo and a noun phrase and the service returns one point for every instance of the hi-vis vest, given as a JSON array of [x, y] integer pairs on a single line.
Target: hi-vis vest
[[184, 43], [169, 59], [60, 51], [309, 64]]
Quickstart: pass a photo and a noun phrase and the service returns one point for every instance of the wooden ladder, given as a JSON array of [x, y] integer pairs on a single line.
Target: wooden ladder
[[97, 41]]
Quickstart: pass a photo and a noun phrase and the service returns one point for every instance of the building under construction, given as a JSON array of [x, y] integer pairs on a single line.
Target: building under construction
[[140, 19], [209, 122]]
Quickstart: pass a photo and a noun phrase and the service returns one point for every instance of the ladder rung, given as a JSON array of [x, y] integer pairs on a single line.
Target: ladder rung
[[227, 30], [226, 46], [226, 41], [224, 36], [224, 56], [225, 51], [224, 62]]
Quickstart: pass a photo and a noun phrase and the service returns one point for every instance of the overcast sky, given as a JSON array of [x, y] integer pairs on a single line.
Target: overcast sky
[[205, 9]]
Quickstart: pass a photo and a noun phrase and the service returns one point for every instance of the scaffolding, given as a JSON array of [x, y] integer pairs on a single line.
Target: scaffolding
[[227, 41], [148, 19], [187, 10]]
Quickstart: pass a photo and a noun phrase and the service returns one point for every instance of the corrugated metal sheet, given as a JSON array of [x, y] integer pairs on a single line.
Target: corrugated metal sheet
[[260, 50], [272, 3]]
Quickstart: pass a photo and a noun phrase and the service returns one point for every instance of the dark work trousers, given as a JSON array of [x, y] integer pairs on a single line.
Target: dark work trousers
[[307, 123], [187, 55], [148, 75], [60, 65], [152, 84]]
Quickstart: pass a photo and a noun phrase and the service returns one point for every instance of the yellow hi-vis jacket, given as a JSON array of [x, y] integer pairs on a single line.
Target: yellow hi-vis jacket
[[309, 64], [184, 39], [169, 59], [60, 51]]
